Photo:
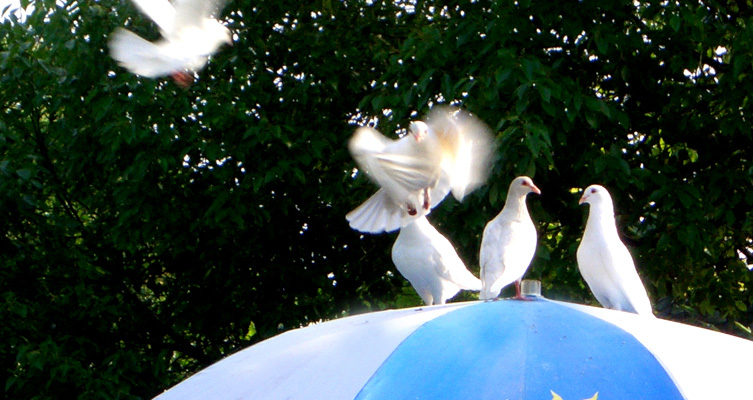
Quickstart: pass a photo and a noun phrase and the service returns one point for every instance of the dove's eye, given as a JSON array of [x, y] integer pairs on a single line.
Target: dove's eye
[[593, 190]]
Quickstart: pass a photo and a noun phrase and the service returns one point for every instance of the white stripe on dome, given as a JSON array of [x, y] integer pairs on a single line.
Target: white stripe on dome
[[331, 360], [703, 363]]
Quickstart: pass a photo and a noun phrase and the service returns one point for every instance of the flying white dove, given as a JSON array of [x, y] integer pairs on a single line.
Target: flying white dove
[[450, 152], [509, 242], [429, 262], [189, 36], [604, 261]]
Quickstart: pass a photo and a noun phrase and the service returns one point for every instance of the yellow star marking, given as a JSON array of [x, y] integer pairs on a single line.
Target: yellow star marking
[[555, 396]]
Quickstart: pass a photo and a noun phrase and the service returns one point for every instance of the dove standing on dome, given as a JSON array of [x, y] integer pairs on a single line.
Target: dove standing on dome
[[604, 261], [450, 152], [189, 36], [429, 262], [509, 242]]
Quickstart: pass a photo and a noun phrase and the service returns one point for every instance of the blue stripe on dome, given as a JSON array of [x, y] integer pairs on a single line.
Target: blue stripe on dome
[[519, 350]]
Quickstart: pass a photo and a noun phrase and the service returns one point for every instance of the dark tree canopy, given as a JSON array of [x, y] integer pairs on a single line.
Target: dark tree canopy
[[148, 231]]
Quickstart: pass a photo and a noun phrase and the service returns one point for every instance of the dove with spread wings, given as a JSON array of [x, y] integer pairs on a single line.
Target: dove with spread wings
[[450, 152], [189, 36]]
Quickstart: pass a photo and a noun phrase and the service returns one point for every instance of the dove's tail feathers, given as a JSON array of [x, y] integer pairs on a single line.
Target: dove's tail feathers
[[142, 57], [446, 291], [377, 214], [467, 281], [637, 298], [640, 306], [490, 290], [486, 295]]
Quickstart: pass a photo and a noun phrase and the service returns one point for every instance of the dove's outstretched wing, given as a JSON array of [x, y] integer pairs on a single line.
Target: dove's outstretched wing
[[160, 11], [401, 167], [143, 57], [467, 148]]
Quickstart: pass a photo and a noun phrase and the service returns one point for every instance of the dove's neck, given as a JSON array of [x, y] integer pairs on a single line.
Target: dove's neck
[[515, 208], [601, 221]]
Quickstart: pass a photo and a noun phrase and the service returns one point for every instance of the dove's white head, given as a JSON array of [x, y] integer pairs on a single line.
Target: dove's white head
[[597, 196], [219, 32], [419, 130], [521, 186]]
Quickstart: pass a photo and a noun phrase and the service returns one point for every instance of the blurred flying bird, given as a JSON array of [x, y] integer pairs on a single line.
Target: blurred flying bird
[[189, 36], [450, 152]]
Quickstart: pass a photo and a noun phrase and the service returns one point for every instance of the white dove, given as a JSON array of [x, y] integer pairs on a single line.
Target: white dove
[[509, 242], [450, 152], [429, 262], [189, 36], [604, 261]]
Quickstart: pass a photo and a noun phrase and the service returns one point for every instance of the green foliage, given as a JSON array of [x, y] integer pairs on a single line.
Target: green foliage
[[147, 230]]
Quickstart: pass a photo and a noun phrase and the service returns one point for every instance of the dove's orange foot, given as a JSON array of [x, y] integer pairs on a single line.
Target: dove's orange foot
[[411, 209], [182, 78]]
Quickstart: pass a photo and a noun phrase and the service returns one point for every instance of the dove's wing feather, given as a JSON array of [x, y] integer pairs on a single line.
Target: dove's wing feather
[[191, 12], [429, 261], [146, 58], [367, 140], [592, 261], [412, 263], [630, 284], [378, 214], [194, 13], [196, 29], [448, 264], [440, 190], [395, 165], [409, 173], [497, 252], [613, 278], [160, 11], [198, 9], [467, 148]]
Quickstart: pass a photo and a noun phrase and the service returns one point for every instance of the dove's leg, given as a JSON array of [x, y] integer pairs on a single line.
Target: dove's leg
[[182, 78], [518, 294], [411, 209], [427, 199]]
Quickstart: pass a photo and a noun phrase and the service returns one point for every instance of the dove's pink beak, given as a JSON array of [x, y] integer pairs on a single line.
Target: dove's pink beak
[[535, 189], [583, 199]]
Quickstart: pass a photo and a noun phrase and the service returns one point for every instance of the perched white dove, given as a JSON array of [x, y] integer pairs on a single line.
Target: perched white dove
[[509, 242], [604, 261], [429, 262], [189, 36], [450, 152]]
